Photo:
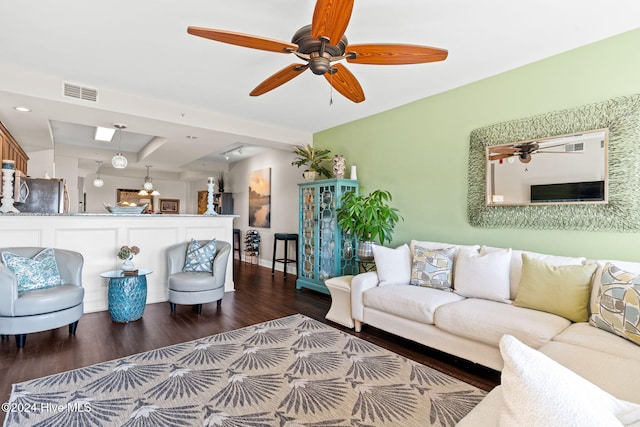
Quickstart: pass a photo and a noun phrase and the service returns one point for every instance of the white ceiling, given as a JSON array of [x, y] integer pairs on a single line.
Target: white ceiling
[[165, 84]]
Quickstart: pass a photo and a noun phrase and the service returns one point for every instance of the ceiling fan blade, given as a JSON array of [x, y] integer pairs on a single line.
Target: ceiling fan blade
[[500, 156], [346, 83], [394, 54], [279, 78], [330, 19], [507, 150], [245, 40]]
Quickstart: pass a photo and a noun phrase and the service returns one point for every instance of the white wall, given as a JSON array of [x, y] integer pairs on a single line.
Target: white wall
[[40, 163], [284, 199]]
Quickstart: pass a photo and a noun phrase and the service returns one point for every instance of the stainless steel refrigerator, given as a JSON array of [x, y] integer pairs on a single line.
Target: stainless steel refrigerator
[[40, 195]]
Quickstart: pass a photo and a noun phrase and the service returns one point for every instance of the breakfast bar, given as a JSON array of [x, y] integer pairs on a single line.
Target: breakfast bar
[[98, 237]]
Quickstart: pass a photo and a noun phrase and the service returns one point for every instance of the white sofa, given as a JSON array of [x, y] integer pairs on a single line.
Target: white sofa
[[472, 327]]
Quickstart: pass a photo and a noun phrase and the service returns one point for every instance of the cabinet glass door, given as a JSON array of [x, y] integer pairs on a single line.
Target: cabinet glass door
[[327, 232], [308, 232]]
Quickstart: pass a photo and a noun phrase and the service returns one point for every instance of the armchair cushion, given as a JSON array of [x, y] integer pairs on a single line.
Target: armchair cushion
[[200, 258], [41, 301], [190, 281], [38, 272]]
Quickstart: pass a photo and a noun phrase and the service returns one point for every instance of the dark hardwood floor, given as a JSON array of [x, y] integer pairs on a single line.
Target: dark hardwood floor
[[258, 297]]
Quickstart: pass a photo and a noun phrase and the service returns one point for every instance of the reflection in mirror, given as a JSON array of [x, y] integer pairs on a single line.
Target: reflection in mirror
[[561, 169]]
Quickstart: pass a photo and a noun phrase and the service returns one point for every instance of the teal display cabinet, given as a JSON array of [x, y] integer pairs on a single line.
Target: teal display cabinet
[[325, 251]]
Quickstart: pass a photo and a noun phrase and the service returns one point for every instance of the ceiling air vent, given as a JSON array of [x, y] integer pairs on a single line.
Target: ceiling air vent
[[80, 92], [571, 148]]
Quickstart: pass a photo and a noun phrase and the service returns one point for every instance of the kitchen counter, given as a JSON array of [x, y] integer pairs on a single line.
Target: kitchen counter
[[99, 236]]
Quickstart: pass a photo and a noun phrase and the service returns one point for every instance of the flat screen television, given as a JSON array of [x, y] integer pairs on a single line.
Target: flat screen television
[[590, 191]]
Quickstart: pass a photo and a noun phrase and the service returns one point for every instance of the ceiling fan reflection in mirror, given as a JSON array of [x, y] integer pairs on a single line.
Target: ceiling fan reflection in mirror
[[321, 45], [524, 151]]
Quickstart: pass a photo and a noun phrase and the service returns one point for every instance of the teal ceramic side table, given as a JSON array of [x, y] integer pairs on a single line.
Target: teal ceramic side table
[[127, 295]]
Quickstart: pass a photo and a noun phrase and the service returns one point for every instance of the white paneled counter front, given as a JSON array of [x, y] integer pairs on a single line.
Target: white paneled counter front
[[98, 237]]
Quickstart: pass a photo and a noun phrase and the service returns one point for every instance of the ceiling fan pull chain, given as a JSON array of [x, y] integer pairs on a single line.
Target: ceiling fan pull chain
[[330, 88]]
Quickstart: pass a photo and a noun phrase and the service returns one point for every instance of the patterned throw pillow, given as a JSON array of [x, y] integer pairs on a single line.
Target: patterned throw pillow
[[618, 303], [200, 258], [432, 268], [38, 272]]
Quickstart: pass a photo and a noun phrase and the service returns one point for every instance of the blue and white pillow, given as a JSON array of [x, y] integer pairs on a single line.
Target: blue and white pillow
[[38, 272], [200, 258]]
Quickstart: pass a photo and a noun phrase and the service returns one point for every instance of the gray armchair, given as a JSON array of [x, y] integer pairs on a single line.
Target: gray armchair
[[196, 288], [41, 309]]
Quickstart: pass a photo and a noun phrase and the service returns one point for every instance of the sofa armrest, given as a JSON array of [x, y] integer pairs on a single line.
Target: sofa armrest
[[359, 284]]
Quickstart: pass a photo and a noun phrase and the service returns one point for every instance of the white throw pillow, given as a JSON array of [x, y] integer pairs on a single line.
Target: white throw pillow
[[538, 391], [393, 265], [483, 276]]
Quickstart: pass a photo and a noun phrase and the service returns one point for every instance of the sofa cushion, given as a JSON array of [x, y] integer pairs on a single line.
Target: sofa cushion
[[410, 302], [483, 275], [614, 374], [433, 268], [393, 265], [585, 335], [563, 290], [516, 264], [486, 321], [48, 300], [540, 391], [617, 309], [38, 272], [200, 258]]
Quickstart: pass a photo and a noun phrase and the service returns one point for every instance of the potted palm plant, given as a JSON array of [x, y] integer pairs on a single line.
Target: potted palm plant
[[368, 218], [314, 159]]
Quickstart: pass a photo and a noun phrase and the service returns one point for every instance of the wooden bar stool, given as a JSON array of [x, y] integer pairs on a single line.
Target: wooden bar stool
[[286, 237]]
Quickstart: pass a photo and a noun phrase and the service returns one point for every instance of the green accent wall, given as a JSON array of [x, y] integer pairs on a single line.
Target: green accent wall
[[419, 151]]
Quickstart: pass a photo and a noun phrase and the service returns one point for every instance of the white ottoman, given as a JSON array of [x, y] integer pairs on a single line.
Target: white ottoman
[[340, 311]]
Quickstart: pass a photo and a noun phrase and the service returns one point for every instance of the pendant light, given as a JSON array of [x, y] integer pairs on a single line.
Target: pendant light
[[119, 161], [147, 187], [98, 182]]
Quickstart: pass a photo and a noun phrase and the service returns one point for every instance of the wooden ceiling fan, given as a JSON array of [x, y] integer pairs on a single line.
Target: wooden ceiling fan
[[524, 151], [321, 45]]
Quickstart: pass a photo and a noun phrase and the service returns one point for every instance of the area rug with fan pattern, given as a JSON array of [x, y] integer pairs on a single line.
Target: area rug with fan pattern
[[288, 371]]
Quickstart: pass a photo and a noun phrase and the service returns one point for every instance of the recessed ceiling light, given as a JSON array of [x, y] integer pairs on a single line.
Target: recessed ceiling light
[[22, 109], [104, 134], [192, 137]]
